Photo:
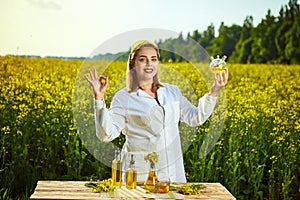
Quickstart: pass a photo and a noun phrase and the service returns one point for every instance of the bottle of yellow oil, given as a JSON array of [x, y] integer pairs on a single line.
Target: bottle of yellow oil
[[116, 169], [131, 175], [152, 178]]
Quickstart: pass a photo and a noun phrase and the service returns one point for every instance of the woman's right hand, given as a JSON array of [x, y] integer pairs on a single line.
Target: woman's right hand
[[99, 84]]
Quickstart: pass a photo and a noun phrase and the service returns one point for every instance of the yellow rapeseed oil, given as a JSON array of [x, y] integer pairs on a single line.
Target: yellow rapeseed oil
[[131, 175], [116, 169]]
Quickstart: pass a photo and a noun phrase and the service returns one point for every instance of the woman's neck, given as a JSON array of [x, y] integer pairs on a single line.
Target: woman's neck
[[148, 88]]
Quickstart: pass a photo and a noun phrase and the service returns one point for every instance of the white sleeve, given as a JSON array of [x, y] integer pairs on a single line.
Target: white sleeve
[[196, 116], [109, 123]]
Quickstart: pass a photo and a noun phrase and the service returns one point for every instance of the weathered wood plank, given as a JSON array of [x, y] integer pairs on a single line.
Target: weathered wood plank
[[74, 190]]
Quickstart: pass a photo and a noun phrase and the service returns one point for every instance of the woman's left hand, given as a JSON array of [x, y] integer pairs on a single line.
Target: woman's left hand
[[220, 81]]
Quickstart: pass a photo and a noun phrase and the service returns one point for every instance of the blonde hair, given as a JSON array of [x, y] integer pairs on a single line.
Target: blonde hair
[[131, 77]]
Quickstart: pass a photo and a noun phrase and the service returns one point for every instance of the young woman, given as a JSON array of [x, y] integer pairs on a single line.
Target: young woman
[[147, 112]]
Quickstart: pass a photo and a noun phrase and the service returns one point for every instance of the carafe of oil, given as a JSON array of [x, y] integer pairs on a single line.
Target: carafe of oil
[[152, 178], [116, 169], [131, 175]]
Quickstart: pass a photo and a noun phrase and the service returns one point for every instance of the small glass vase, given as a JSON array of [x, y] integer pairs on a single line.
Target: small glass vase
[[152, 178]]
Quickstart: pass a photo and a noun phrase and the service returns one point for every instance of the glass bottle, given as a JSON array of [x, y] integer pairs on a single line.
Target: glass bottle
[[116, 169], [152, 178], [131, 175]]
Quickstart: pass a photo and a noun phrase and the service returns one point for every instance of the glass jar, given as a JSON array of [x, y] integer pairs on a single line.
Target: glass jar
[[152, 178]]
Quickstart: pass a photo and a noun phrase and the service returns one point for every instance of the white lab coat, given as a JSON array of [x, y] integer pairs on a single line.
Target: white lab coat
[[151, 126]]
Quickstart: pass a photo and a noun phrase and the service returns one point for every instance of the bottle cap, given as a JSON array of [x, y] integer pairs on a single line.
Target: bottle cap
[[117, 153], [132, 160]]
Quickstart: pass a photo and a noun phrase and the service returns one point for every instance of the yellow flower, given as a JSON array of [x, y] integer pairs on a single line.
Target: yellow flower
[[152, 157]]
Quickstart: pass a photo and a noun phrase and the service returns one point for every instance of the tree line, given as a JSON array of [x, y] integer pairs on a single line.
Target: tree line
[[273, 40]]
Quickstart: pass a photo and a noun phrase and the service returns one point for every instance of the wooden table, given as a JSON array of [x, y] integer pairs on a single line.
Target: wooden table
[[49, 190]]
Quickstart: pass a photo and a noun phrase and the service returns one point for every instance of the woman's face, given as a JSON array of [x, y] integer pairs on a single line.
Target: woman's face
[[146, 64]]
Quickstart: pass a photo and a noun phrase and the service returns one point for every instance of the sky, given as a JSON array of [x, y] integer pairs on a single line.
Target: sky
[[77, 28]]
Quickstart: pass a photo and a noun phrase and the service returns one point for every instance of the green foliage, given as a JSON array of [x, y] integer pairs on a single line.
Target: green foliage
[[190, 189], [242, 51], [256, 157], [38, 135], [263, 49], [207, 36], [226, 41], [273, 40], [106, 185]]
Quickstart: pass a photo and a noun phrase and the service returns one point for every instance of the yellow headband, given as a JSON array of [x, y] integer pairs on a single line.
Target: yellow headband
[[136, 46]]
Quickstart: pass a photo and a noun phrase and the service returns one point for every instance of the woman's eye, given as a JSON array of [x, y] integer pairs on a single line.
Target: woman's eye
[[154, 59], [142, 59]]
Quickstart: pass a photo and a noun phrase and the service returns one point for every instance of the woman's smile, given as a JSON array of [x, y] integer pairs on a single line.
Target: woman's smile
[[148, 70]]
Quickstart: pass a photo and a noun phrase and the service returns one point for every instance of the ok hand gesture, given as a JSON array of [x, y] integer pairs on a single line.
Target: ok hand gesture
[[99, 84]]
